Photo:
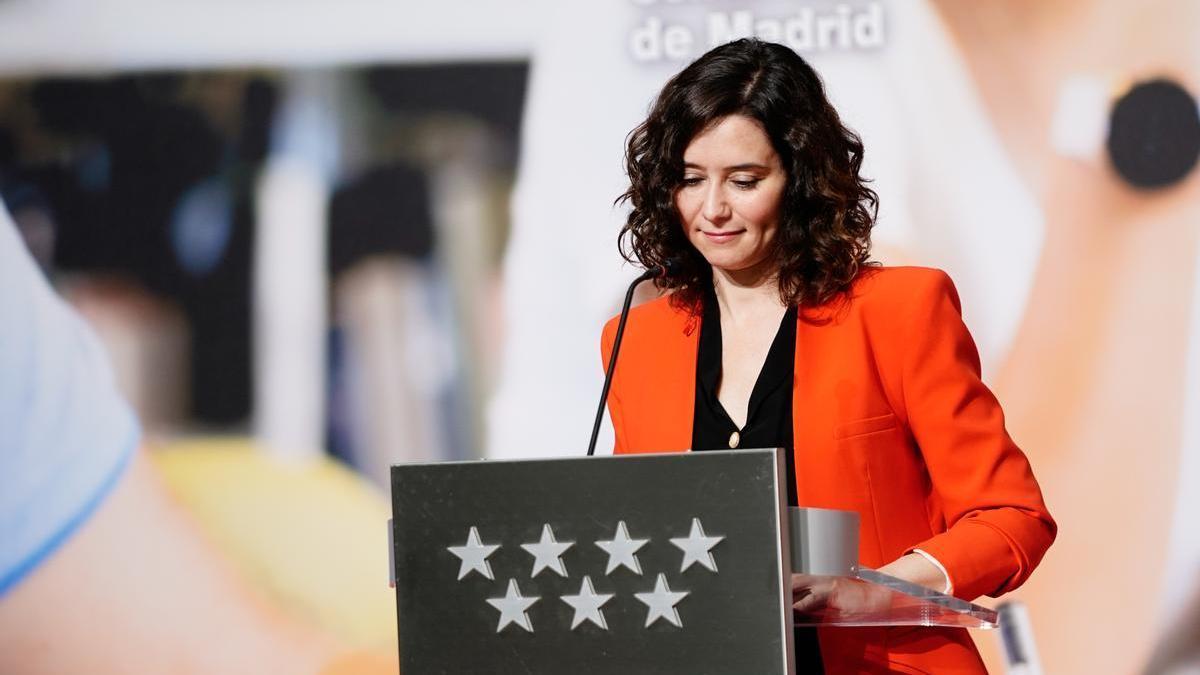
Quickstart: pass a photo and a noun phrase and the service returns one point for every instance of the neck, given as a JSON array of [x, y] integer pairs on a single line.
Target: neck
[[744, 293]]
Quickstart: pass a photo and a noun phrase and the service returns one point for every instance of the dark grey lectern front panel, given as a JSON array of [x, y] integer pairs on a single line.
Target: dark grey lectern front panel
[[633, 564]]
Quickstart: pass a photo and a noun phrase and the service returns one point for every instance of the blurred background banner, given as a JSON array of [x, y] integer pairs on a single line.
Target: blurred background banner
[[385, 232]]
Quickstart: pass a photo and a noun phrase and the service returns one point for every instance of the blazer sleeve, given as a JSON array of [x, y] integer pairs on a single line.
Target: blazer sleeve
[[607, 338], [998, 527]]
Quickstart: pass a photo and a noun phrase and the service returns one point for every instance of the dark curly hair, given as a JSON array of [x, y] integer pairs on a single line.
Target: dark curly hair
[[824, 235]]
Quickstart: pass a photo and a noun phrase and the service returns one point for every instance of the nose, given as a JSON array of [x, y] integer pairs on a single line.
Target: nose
[[716, 208]]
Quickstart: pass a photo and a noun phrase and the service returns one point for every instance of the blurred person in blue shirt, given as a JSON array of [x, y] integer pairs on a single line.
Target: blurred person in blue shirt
[[100, 571]]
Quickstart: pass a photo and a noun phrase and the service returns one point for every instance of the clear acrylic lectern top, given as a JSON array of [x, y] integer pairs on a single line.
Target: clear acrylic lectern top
[[888, 601]]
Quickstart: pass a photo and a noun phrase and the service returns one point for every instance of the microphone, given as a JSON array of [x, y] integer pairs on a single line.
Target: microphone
[[658, 271]]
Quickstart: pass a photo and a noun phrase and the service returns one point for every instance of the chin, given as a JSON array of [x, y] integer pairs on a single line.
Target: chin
[[730, 263], [724, 259], [735, 264]]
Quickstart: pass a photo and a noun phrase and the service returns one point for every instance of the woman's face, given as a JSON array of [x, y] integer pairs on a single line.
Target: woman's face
[[729, 203]]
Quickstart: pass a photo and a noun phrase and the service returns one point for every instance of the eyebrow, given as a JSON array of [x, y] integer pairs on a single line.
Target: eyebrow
[[735, 167]]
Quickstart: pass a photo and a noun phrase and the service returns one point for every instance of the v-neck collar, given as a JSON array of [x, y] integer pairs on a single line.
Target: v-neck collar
[[777, 368]]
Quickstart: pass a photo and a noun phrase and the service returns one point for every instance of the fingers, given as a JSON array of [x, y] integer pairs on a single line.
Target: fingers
[[803, 580], [809, 602], [811, 593]]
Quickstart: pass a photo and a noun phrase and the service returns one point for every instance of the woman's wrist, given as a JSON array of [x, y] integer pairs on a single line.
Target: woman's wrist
[[919, 568]]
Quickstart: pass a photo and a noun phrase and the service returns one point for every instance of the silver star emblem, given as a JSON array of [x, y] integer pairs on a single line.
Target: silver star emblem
[[697, 548], [587, 605], [546, 553], [622, 550], [512, 607], [474, 555], [662, 602]]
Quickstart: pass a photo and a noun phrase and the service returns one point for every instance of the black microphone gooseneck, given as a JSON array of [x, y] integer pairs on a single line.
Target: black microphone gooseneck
[[656, 271]]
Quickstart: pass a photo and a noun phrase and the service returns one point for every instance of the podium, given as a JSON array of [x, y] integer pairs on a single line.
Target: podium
[[664, 563]]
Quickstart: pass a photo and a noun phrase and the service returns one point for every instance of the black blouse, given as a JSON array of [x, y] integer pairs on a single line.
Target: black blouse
[[768, 421], [769, 414]]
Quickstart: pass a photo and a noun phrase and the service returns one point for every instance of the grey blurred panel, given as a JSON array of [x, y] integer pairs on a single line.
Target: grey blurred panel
[[391, 536], [733, 620], [1016, 636]]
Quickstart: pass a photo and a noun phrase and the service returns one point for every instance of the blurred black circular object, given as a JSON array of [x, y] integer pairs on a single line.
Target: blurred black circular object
[[385, 210], [1154, 134]]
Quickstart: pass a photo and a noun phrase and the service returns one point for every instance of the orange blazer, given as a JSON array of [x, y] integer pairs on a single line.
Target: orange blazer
[[891, 420]]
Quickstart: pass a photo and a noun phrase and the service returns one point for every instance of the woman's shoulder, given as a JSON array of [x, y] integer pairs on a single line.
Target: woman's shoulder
[[658, 317], [657, 310], [888, 281], [900, 286], [881, 291]]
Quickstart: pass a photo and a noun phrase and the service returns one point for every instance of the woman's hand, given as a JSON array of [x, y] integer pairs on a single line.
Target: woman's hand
[[813, 594]]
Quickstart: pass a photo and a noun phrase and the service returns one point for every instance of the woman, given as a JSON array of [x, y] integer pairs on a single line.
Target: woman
[[745, 181]]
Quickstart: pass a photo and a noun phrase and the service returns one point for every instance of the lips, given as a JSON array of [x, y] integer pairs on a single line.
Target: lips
[[722, 237]]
